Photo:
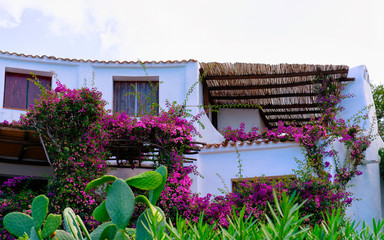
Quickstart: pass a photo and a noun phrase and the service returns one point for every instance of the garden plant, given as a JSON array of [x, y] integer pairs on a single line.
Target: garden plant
[[76, 130]]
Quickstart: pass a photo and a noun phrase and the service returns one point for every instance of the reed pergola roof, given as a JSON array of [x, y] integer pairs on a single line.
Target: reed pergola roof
[[283, 92]]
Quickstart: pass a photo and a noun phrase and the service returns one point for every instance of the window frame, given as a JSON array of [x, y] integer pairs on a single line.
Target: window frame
[[236, 181], [23, 73], [133, 80]]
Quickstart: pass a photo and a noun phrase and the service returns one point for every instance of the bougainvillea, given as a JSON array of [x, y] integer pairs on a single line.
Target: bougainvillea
[[77, 129], [316, 136], [16, 194], [320, 196], [69, 121]]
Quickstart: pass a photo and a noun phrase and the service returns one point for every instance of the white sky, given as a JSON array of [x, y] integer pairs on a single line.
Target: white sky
[[271, 31]]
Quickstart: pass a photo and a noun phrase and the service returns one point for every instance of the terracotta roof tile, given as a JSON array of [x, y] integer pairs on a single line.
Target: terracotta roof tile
[[94, 61]]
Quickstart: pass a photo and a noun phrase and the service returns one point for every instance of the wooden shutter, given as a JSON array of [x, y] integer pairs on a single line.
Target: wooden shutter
[[19, 92], [15, 92], [34, 91]]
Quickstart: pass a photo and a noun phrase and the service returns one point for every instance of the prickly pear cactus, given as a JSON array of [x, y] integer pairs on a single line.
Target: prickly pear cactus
[[153, 195], [20, 224], [74, 225], [51, 224], [39, 210], [99, 182], [145, 181]]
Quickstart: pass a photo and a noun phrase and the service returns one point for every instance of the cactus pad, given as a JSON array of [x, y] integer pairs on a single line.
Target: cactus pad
[[100, 213], [146, 181], [51, 225], [121, 235], [154, 195], [120, 203], [39, 210], [100, 181], [63, 235], [109, 232], [18, 223], [97, 232]]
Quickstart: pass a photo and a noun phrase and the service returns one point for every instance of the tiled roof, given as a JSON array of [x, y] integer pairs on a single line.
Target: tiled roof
[[94, 61], [249, 143]]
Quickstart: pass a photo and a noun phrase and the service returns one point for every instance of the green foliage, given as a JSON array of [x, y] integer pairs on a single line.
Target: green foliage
[[120, 203], [153, 195], [20, 224], [378, 99], [74, 225], [39, 210], [100, 213], [146, 181], [99, 182], [151, 224], [51, 224]]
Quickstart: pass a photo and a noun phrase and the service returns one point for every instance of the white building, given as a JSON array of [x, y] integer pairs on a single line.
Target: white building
[[284, 91]]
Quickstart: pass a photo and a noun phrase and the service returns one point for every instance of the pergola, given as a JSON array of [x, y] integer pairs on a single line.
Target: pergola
[[18, 146], [284, 92]]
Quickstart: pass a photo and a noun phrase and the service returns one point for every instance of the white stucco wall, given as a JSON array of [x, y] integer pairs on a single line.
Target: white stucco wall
[[269, 159], [176, 77], [234, 117], [367, 186], [257, 160]]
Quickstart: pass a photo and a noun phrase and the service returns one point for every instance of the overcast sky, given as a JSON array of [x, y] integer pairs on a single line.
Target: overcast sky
[[272, 31]]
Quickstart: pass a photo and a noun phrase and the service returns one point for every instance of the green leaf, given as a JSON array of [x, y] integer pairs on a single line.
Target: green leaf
[[63, 235], [70, 223], [131, 232], [18, 223], [39, 210], [145, 181], [100, 181], [148, 221], [95, 235], [144, 200], [120, 203], [51, 225], [121, 235], [100, 213], [82, 226], [154, 195], [109, 232], [34, 234]]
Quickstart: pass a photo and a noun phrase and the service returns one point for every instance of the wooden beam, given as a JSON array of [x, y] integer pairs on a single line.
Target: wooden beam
[[292, 112], [265, 120], [21, 142], [290, 120], [269, 86], [214, 119], [287, 106], [276, 106], [226, 97], [35, 163], [278, 75]]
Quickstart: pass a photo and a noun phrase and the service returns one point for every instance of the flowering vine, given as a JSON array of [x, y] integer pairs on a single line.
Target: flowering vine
[[316, 136]]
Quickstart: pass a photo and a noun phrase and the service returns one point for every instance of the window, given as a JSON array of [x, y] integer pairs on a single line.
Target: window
[[265, 179], [19, 92], [141, 88]]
